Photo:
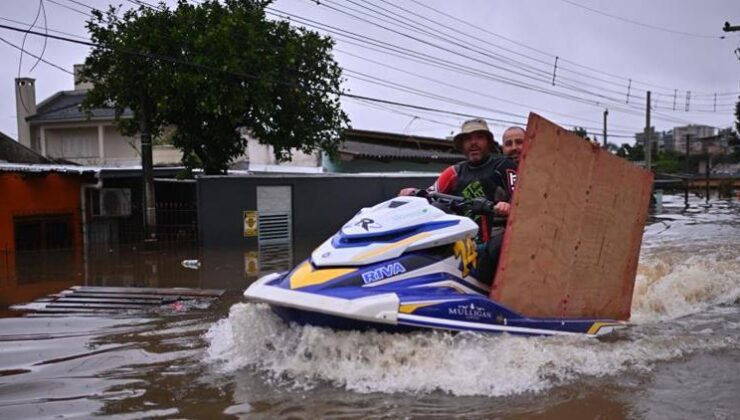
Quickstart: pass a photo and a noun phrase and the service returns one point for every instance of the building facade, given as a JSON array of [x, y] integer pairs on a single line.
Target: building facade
[[693, 132], [58, 129]]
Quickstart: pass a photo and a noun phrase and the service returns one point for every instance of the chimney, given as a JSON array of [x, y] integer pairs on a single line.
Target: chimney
[[79, 84], [25, 106]]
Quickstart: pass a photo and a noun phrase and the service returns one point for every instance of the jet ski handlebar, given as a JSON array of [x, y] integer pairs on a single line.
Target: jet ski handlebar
[[461, 205]]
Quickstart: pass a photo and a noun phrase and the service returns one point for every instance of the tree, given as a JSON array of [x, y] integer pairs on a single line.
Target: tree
[[213, 69], [668, 161], [612, 148], [581, 132]]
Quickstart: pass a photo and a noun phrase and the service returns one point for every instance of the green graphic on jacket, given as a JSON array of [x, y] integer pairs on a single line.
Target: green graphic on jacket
[[473, 190]]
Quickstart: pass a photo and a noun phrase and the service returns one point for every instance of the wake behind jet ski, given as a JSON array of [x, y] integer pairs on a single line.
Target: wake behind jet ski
[[407, 263]]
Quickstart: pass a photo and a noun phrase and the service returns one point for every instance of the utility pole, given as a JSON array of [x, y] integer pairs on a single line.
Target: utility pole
[[150, 208], [686, 191], [606, 113], [730, 28], [648, 143]]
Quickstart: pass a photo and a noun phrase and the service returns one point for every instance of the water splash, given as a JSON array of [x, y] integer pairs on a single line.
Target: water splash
[[459, 364], [672, 283], [689, 266]]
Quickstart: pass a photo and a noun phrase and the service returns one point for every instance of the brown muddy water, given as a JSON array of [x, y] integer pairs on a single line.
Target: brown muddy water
[[681, 359]]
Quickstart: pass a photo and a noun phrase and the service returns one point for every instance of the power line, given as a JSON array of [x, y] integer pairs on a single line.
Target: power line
[[436, 110], [512, 82], [68, 7], [567, 85], [465, 44], [136, 53], [471, 91], [36, 56], [49, 29], [644, 25], [547, 54]]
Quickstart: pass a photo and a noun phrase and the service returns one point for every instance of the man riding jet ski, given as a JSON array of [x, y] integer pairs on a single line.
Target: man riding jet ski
[[407, 263]]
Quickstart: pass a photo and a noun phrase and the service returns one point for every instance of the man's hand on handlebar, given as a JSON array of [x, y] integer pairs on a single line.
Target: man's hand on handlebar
[[408, 191], [502, 208]]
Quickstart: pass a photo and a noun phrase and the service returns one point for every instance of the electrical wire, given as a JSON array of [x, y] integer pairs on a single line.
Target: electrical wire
[[36, 56], [150, 56], [547, 54], [644, 25], [46, 30], [333, 29]]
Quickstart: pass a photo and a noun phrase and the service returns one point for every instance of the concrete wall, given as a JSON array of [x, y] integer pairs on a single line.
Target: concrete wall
[[120, 150], [321, 203], [166, 154], [79, 142], [260, 154]]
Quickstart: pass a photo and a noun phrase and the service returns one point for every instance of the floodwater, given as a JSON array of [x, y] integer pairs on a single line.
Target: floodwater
[[233, 359]]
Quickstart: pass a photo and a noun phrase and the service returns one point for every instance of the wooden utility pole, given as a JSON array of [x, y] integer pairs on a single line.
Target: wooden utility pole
[[606, 113], [648, 143], [686, 191], [147, 169]]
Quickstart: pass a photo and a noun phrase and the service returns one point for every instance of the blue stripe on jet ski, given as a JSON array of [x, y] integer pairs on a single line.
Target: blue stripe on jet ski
[[342, 241]]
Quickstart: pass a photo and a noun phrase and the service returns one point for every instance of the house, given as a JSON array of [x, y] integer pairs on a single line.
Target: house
[[690, 132], [57, 128], [377, 151], [361, 151]]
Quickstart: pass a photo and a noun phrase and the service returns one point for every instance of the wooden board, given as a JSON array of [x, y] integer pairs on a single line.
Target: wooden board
[[573, 237]]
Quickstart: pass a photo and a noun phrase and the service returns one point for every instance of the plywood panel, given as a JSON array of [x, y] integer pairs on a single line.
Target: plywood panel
[[573, 237]]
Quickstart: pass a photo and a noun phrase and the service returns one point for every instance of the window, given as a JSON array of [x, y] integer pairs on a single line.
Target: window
[[43, 232]]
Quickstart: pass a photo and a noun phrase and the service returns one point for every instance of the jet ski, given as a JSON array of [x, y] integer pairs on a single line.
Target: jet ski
[[405, 264]]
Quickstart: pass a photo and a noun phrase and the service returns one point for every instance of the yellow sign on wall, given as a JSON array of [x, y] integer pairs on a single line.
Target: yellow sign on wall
[[250, 224], [251, 264]]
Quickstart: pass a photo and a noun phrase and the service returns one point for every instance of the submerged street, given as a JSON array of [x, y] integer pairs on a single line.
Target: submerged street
[[679, 360]]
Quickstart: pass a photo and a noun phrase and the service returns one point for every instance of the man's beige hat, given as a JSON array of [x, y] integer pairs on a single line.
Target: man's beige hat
[[472, 126]]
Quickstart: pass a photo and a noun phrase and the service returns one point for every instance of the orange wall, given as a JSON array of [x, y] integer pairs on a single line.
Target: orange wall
[[24, 194]]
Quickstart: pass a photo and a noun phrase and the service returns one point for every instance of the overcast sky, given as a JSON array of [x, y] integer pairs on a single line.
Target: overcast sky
[[489, 58]]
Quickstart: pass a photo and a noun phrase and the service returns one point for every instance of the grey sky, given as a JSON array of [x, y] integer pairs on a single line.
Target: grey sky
[[551, 28]]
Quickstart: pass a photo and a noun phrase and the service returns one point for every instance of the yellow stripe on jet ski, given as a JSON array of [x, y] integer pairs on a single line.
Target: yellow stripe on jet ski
[[305, 275], [383, 249], [596, 326]]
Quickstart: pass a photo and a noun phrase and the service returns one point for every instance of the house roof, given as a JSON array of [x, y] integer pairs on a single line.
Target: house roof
[[378, 145], [100, 171], [64, 106], [358, 149], [13, 151]]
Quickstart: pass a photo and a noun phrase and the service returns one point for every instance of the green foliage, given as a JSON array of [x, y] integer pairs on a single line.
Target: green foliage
[[230, 69], [581, 132], [632, 153], [669, 162], [737, 118]]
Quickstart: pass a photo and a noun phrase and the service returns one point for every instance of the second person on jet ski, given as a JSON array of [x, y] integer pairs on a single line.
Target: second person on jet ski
[[485, 173]]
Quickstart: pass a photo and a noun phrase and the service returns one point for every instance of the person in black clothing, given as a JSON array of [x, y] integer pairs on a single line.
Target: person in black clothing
[[485, 173]]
